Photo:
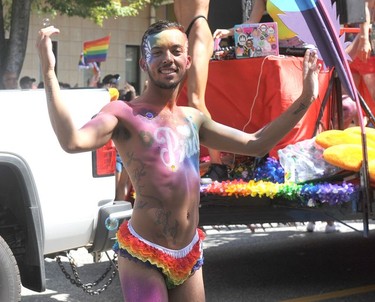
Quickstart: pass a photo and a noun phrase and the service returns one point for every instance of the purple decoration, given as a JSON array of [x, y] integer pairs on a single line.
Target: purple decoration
[[270, 170], [333, 194], [320, 26], [323, 28], [149, 115]]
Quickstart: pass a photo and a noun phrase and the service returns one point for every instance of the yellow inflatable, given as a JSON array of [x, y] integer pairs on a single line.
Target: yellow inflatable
[[343, 148]]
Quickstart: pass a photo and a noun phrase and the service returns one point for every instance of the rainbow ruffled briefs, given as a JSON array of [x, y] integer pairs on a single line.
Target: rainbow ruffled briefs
[[175, 270]]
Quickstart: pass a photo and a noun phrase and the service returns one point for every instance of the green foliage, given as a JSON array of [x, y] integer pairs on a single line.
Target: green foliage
[[12, 54], [95, 10], [7, 4]]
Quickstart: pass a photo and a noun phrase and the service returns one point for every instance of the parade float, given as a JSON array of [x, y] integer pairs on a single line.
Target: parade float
[[249, 93]]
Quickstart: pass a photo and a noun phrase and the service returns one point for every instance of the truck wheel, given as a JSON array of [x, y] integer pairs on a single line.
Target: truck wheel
[[10, 281]]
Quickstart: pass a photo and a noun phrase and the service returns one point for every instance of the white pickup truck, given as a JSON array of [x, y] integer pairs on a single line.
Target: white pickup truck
[[50, 201]]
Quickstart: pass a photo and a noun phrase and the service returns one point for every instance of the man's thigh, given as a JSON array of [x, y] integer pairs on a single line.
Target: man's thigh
[[186, 11], [192, 290], [139, 282]]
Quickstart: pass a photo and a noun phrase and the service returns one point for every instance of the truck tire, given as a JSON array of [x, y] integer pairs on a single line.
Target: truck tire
[[10, 281]]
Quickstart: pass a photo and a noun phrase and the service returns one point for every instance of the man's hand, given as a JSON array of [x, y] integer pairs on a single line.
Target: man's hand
[[222, 33], [364, 49], [311, 69], [44, 46]]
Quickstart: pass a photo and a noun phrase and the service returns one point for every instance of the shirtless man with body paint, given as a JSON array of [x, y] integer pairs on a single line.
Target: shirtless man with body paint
[[160, 248]]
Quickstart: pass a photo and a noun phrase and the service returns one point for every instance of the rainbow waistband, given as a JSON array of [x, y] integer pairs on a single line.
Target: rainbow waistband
[[175, 270]]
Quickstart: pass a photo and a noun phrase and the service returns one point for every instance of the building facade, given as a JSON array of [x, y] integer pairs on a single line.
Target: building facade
[[123, 53]]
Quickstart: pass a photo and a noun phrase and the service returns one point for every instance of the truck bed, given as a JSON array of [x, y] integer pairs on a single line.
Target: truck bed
[[225, 210]]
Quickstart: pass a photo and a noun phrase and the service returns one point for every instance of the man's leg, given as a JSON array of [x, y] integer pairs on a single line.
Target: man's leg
[[200, 49], [192, 290], [141, 283], [369, 80]]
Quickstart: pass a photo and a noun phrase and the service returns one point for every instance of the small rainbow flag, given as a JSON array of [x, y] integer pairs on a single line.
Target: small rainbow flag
[[82, 63], [96, 51]]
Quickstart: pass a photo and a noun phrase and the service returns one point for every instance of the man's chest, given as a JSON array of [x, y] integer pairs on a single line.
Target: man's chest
[[170, 140]]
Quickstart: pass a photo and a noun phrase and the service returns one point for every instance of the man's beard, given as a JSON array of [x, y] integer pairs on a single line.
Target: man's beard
[[163, 85]]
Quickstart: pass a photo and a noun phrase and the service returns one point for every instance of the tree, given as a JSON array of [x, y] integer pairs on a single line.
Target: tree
[[15, 19]]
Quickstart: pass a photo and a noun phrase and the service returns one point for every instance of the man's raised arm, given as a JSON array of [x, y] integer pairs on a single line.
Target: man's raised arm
[[92, 135], [261, 142]]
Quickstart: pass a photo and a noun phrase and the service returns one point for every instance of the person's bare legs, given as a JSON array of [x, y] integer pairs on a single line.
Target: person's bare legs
[[141, 283], [192, 290], [330, 227], [369, 80], [200, 49], [200, 46]]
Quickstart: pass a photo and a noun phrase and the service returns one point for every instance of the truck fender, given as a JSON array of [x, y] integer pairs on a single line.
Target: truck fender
[[21, 221]]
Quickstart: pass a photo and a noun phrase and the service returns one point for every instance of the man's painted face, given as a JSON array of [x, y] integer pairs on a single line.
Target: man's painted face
[[166, 58]]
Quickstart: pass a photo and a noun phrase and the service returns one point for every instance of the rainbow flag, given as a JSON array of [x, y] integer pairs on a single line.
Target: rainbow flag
[[96, 51]]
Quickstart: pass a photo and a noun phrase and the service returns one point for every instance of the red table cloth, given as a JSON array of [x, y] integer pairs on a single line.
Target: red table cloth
[[249, 93]]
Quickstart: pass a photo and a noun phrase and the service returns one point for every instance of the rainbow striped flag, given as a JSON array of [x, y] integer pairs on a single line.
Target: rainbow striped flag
[[96, 51]]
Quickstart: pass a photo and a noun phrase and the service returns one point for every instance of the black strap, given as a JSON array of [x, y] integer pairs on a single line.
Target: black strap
[[192, 23]]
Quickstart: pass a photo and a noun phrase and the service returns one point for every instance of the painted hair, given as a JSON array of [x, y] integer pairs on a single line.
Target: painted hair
[[156, 28]]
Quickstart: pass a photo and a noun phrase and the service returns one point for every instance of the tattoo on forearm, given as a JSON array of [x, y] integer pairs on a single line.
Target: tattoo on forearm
[[48, 93], [301, 107]]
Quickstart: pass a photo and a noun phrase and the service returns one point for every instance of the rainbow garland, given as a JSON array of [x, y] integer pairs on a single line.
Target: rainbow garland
[[308, 194], [269, 182]]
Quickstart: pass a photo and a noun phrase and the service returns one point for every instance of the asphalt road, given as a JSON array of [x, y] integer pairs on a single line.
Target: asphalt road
[[275, 263]]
